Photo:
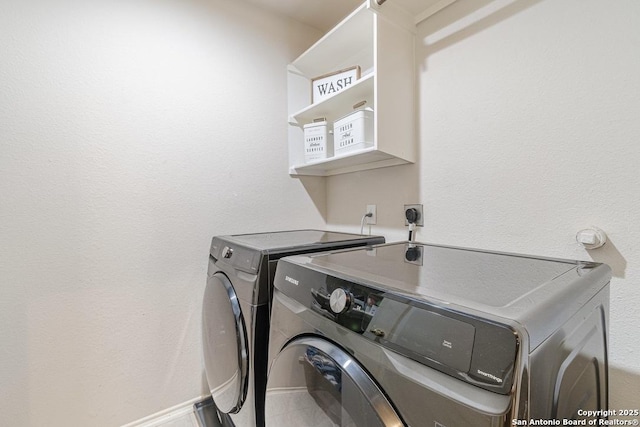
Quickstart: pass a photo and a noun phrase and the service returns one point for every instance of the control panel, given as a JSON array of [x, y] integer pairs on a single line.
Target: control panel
[[470, 348]]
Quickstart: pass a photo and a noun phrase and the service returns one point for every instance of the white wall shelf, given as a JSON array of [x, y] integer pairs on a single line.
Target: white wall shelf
[[343, 101], [380, 40]]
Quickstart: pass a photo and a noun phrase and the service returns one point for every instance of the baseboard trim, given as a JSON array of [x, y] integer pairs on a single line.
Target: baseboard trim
[[165, 415]]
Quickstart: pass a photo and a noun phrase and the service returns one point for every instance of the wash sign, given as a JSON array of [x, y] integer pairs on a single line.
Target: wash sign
[[329, 84]]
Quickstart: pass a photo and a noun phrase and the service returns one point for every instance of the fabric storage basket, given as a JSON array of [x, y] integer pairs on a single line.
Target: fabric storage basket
[[353, 131], [318, 142]]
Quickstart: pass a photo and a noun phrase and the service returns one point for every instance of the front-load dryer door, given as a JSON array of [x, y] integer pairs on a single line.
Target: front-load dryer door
[[225, 344], [313, 382]]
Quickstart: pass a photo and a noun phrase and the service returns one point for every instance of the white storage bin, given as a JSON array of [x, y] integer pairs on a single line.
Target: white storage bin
[[353, 131], [318, 141]]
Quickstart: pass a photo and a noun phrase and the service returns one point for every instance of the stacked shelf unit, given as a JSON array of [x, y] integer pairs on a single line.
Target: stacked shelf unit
[[380, 40]]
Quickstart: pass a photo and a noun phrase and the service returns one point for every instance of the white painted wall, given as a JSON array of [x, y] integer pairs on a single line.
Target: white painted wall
[[529, 131], [130, 133]]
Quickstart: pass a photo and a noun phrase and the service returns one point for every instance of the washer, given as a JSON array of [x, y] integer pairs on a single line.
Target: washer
[[236, 315], [415, 335]]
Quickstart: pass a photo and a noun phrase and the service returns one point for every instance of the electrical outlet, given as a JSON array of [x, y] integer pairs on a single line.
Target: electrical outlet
[[372, 219], [415, 211]]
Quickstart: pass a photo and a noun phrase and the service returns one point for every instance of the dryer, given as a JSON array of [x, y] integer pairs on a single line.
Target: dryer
[[235, 316], [416, 335]]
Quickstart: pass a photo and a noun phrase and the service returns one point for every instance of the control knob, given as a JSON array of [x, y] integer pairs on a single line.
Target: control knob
[[339, 301]]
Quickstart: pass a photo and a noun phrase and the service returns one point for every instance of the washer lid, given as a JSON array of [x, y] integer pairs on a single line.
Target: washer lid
[[225, 345]]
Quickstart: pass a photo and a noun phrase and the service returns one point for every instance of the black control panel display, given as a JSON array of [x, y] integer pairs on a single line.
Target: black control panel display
[[397, 324]]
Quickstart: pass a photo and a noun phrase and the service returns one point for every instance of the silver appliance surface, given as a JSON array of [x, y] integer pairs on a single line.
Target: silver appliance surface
[[236, 314], [449, 274], [447, 336], [295, 240], [537, 292], [283, 240]]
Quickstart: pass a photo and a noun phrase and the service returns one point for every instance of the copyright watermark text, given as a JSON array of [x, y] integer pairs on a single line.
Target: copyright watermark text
[[591, 421]]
